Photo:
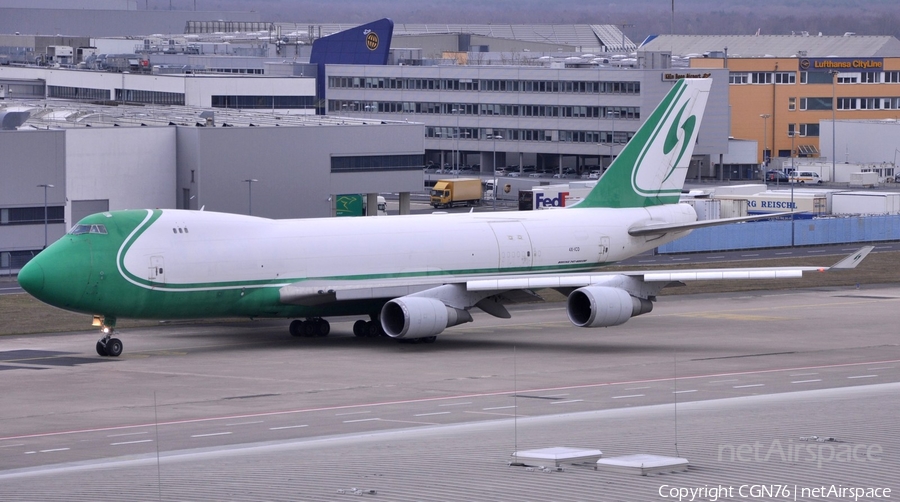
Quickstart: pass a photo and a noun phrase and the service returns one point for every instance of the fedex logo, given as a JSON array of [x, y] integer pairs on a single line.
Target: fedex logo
[[541, 202]]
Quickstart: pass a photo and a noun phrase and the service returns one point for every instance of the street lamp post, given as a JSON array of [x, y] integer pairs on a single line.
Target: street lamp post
[[494, 136], [792, 182], [765, 117], [455, 160], [45, 187], [250, 183], [612, 138], [833, 108]]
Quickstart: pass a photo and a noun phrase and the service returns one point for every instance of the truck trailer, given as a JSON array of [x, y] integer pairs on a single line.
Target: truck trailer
[[456, 192]]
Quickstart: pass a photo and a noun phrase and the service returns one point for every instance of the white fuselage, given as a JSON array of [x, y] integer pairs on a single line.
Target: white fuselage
[[215, 250]]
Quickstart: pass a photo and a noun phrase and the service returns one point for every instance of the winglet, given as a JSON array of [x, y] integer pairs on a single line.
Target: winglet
[[854, 259]]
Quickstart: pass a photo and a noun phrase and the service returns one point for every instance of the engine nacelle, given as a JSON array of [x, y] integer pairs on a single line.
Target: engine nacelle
[[418, 317], [599, 306]]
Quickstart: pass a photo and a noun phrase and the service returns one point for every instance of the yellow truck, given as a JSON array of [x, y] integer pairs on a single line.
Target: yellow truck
[[456, 191]]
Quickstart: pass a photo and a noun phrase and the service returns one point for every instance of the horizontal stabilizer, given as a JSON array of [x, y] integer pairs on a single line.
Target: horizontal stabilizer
[[653, 228]]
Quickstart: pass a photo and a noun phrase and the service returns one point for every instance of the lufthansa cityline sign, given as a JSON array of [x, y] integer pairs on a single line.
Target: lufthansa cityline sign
[[847, 64], [671, 77]]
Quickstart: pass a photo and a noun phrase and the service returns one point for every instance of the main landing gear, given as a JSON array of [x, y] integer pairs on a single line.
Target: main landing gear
[[315, 326], [108, 345]]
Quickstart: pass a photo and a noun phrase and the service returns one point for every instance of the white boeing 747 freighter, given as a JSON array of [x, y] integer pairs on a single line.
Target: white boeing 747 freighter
[[409, 277]]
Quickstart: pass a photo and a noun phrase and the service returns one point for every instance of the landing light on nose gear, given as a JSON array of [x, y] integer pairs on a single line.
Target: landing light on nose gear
[[108, 345]]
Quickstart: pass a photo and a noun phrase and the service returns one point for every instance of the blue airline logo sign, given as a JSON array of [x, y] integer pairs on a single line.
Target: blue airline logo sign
[[541, 202], [371, 39]]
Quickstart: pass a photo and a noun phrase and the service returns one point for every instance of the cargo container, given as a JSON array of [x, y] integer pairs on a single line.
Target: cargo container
[[865, 203]]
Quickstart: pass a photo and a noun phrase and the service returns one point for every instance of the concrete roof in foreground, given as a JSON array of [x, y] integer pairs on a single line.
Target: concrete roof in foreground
[[732, 444]]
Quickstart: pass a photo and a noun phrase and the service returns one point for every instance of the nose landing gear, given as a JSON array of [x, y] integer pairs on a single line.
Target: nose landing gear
[[108, 345]]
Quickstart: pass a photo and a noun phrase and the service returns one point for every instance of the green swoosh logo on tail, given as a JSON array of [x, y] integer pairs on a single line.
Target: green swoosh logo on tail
[[672, 138]]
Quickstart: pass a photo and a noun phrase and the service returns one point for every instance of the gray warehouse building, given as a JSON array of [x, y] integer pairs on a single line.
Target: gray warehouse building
[[97, 159]]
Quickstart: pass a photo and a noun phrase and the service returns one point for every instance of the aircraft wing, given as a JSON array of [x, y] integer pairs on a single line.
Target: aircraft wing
[[661, 276], [641, 283]]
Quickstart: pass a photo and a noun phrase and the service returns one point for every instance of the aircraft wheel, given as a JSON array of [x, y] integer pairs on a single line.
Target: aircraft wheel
[[114, 347], [322, 327], [360, 329], [429, 339], [296, 328], [101, 348]]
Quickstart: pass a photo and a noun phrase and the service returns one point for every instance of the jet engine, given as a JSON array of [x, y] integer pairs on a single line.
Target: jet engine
[[600, 306], [418, 317]]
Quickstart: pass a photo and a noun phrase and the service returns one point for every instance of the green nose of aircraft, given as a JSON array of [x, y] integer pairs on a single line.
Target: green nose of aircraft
[[59, 274], [31, 278]]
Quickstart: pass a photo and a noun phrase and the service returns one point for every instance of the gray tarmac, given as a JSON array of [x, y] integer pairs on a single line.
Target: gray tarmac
[[741, 385]]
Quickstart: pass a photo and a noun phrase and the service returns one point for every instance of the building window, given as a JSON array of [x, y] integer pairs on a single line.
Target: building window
[[792, 104], [847, 78], [738, 78], [77, 93], [815, 103], [792, 129], [264, 102], [150, 97], [869, 103], [870, 77], [31, 215], [815, 77], [760, 77], [890, 103], [809, 129], [377, 163], [785, 77], [847, 104], [891, 77], [487, 85]]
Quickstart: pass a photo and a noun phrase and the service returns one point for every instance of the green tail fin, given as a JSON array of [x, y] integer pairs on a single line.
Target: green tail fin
[[651, 169]]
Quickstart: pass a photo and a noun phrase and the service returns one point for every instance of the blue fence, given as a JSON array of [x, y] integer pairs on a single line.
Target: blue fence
[[778, 233]]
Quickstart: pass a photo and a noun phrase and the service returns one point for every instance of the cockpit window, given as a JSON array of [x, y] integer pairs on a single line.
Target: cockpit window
[[88, 229]]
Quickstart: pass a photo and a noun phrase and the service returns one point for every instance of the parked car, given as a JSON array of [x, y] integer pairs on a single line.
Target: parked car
[[776, 176]]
